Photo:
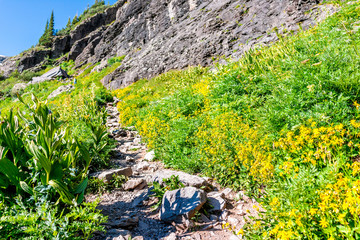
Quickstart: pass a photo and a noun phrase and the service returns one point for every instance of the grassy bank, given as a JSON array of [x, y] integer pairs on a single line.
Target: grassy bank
[[281, 123], [47, 149]]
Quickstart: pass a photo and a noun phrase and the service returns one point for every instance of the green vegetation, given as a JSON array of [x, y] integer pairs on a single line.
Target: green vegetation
[[113, 60], [281, 123], [99, 186], [47, 151], [41, 161], [97, 7], [169, 184], [46, 39]]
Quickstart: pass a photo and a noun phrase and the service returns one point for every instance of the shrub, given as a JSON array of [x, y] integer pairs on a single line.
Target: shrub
[[27, 76], [49, 221]]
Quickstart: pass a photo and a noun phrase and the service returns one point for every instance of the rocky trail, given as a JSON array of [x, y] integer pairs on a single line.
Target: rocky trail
[[130, 209]]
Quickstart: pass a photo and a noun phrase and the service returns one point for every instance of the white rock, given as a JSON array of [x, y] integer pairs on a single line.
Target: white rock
[[150, 156], [215, 199]]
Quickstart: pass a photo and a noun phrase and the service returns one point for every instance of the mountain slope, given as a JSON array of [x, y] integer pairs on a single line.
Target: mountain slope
[[156, 36]]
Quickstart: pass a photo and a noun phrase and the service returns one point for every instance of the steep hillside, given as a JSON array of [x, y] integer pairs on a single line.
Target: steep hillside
[[279, 124], [282, 124], [156, 36]]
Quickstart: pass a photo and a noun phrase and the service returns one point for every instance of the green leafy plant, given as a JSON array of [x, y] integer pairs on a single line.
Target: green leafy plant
[[99, 186], [49, 221], [169, 184]]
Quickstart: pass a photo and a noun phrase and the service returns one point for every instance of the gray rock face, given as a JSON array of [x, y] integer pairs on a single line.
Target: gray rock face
[[8, 65], [32, 59], [181, 202], [160, 35], [61, 89], [157, 36], [186, 179]]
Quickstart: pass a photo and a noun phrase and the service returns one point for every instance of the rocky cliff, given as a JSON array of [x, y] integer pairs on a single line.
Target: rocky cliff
[[2, 58], [160, 35]]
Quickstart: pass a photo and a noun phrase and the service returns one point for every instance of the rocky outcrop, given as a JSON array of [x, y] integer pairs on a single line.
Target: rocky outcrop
[[8, 66], [2, 58], [160, 35], [52, 74], [77, 40], [157, 36]]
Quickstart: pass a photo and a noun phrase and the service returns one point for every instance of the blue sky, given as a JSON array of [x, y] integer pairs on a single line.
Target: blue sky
[[22, 22]]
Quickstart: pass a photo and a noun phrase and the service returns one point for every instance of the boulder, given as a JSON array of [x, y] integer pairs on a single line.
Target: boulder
[[185, 178], [61, 89], [107, 176], [50, 75], [184, 202], [18, 87]]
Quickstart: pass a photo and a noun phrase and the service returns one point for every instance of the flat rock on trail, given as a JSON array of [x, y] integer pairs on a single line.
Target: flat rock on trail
[[130, 212]]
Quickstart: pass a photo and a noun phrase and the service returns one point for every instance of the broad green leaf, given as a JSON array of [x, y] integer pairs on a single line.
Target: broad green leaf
[[81, 187], [62, 189], [26, 187], [8, 168], [44, 161]]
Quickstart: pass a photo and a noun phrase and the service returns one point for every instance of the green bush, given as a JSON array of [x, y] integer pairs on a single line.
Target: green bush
[[41, 152], [27, 76], [103, 96], [49, 221]]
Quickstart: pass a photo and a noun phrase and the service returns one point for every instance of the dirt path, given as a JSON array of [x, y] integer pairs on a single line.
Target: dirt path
[[131, 214]]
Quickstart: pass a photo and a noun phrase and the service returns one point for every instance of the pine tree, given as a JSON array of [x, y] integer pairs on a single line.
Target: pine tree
[[68, 25], [51, 31], [44, 37], [47, 37], [75, 20], [46, 28]]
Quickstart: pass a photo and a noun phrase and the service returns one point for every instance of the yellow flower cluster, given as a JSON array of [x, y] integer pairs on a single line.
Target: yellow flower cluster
[[227, 142], [202, 87], [151, 128], [335, 207], [311, 143]]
